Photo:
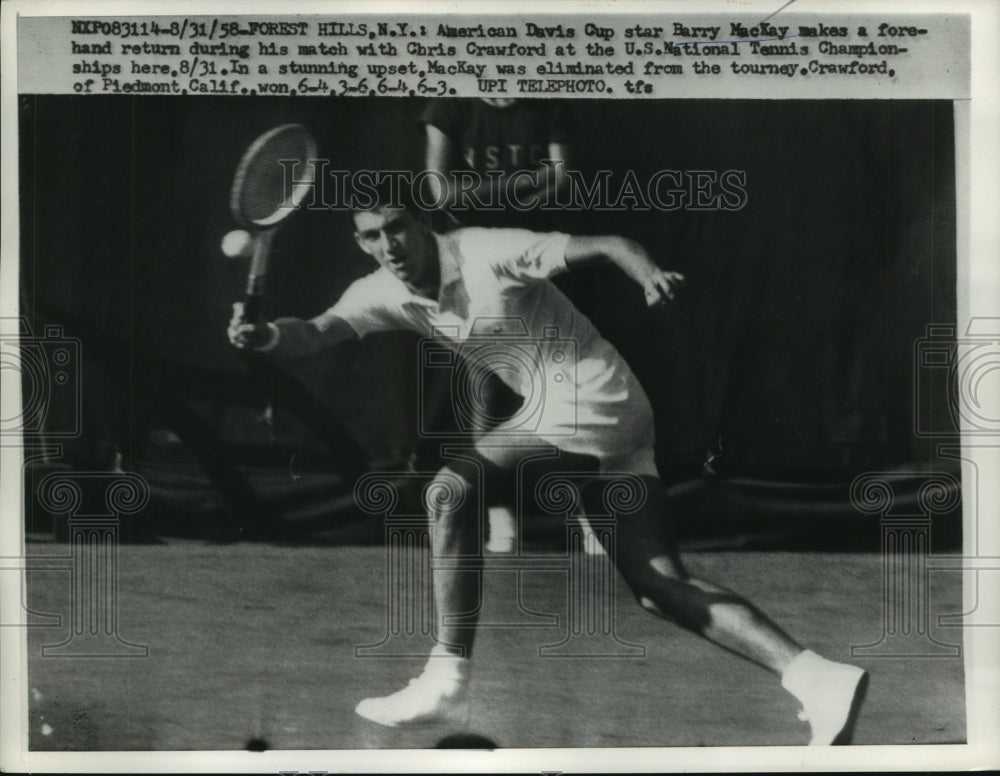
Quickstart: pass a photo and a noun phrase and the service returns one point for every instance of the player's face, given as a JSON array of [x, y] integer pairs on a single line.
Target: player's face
[[397, 240]]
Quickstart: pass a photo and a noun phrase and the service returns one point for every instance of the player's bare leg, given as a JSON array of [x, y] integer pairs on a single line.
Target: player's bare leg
[[438, 694], [455, 533], [647, 557]]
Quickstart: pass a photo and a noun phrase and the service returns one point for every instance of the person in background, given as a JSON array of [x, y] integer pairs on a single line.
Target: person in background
[[517, 152]]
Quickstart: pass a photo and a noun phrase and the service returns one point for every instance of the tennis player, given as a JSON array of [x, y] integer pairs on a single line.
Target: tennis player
[[593, 406]]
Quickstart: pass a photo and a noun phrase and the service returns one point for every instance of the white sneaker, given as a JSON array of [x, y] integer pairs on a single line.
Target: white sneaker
[[439, 694], [831, 695]]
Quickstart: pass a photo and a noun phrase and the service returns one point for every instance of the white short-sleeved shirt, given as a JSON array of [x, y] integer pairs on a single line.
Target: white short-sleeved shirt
[[497, 306]]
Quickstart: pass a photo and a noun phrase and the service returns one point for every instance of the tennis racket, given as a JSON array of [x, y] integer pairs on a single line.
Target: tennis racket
[[260, 200]]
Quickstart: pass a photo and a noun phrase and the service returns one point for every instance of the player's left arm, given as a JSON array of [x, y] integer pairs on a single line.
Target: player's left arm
[[628, 255]]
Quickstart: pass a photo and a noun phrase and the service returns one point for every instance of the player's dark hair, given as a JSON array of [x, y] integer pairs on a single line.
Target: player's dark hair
[[372, 189]]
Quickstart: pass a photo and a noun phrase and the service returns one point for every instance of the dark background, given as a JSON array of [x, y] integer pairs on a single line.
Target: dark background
[[789, 358]]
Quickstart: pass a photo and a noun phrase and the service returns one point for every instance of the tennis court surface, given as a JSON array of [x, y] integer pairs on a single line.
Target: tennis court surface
[[254, 641]]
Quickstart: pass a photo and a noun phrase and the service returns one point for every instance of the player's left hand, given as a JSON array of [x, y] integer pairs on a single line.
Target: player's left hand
[[661, 286]]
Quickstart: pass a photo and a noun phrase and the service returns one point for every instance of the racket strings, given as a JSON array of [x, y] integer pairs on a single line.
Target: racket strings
[[267, 185]]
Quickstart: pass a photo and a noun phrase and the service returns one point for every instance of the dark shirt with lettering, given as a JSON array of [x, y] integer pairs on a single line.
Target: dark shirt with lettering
[[511, 138]]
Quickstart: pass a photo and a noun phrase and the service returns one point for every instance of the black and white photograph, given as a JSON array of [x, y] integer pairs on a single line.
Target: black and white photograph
[[548, 411]]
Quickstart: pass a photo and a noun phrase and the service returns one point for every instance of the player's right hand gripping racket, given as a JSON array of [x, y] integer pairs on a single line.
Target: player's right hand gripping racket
[[261, 197]]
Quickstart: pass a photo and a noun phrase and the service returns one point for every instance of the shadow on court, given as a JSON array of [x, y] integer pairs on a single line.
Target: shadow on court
[[253, 644]]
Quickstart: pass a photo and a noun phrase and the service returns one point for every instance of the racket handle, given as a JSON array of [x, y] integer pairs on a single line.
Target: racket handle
[[258, 269]]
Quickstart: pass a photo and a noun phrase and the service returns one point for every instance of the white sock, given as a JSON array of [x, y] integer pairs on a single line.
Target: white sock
[[801, 672], [444, 664]]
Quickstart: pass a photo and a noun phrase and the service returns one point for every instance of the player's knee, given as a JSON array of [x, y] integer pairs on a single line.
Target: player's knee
[[645, 590], [672, 598], [665, 567], [666, 605], [660, 603], [649, 605]]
